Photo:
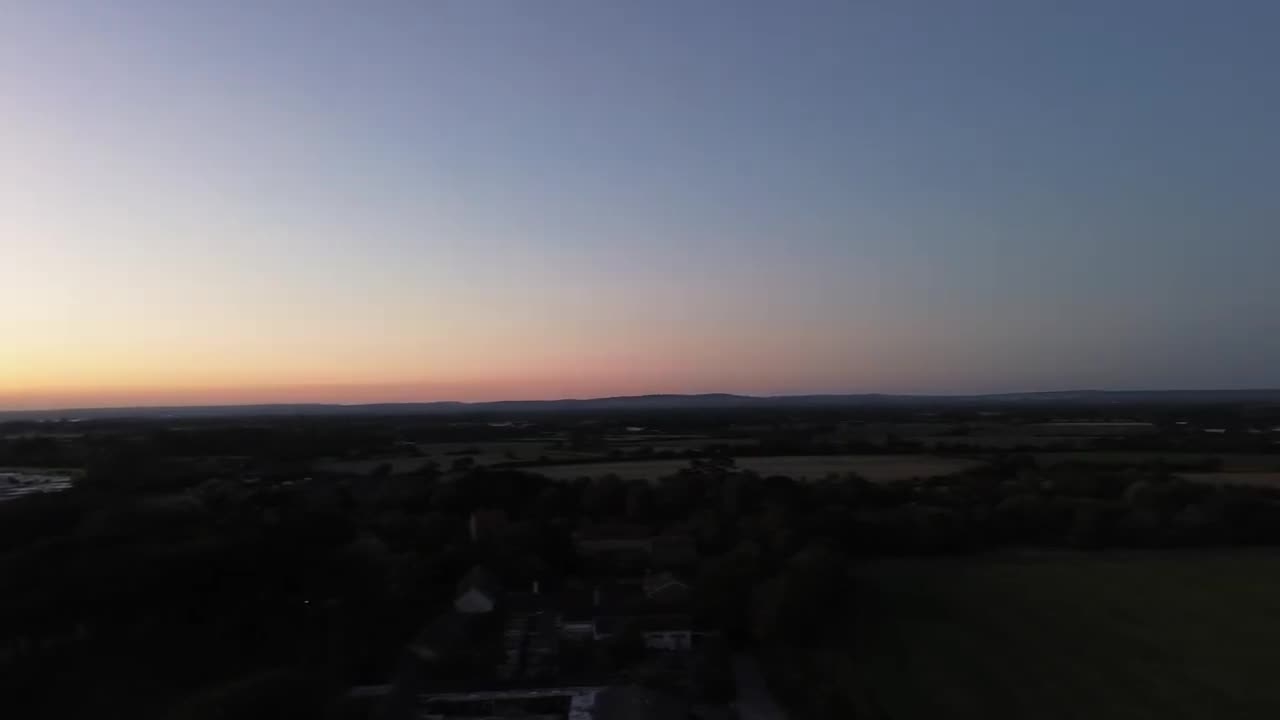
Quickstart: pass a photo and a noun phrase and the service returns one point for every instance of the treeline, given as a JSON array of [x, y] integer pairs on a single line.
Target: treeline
[[1068, 504]]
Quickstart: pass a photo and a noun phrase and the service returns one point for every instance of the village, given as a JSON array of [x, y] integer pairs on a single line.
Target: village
[[617, 641]]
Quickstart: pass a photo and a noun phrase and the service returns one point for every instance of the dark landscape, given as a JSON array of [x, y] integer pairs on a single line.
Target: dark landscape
[[639, 360], [907, 559]]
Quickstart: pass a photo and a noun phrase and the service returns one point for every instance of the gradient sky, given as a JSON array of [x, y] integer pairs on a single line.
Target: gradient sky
[[346, 201]]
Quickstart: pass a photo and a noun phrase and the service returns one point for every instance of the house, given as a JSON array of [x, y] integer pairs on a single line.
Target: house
[[478, 591], [663, 631], [664, 588], [577, 614], [531, 644], [452, 651], [579, 608], [577, 626], [666, 631], [605, 627], [513, 644], [542, 647], [531, 600]]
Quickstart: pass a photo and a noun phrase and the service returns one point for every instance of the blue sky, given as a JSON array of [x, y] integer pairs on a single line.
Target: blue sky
[[412, 200]]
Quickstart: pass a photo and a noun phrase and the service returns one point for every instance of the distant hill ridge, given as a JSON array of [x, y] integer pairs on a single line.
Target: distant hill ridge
[[665, 402]]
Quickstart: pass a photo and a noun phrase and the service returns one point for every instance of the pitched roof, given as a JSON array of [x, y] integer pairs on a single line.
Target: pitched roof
[[657, 581]]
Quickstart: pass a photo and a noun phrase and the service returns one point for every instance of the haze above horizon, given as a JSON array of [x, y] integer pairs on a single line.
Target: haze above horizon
[[227, 203], [1086, 397]]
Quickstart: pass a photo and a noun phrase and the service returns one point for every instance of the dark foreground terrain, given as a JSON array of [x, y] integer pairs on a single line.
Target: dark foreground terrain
[[981, 559], [1061, 635]]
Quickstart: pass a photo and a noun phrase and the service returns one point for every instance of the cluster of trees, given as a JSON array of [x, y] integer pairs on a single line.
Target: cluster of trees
[[1067, 504]]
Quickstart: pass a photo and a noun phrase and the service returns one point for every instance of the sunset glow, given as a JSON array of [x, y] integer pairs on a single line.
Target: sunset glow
[[436, 201]]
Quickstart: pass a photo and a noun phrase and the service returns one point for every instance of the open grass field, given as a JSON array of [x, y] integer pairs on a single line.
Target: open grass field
[[1237, 468], [878, 468], [1231, 462], [1257, 479], [1124, 635], [1005, 442]]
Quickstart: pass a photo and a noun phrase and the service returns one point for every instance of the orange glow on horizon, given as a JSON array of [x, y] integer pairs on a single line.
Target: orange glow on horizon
[[576, 382], [55, 398]]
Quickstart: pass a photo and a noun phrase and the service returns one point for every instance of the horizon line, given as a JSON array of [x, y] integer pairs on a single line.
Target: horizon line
[[321, 404]]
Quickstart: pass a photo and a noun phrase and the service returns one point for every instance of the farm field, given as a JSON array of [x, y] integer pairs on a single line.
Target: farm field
[[1004, 442], [1125, 635], [676, 444], [1256, 479], [878, 468], [443, 454], [1231, 462], [494, 453], [16, 483]]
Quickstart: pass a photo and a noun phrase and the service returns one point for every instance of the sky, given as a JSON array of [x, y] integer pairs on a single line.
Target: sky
[[272, 201]]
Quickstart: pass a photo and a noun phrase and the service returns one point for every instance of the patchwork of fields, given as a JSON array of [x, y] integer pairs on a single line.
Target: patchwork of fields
[[1123, 635], [1231, 462], [443, 454], [1257, 479], [878, 468], [1237, 468]]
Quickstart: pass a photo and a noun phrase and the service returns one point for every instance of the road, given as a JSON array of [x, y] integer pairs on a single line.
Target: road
[[755, 702]]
